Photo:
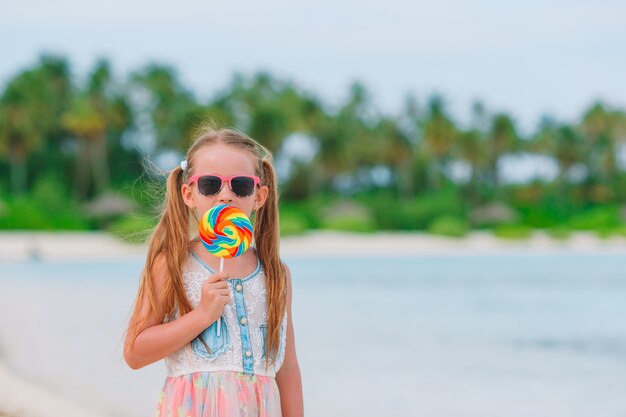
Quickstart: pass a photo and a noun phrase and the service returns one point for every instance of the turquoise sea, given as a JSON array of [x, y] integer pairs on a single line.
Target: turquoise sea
[[468, 336]]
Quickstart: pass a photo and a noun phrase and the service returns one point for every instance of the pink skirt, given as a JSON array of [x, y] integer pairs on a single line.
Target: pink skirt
[[219, 394]]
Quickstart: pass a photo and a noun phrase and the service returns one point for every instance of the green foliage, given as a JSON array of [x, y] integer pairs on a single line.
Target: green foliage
[[602, 219], [538, 206], [539, 217], [48, 207], [448, 226], [513, 231], [350, 224], [417, 213], [292, 225], [346, 215], [296, 218], [307, 211], [74, 141]]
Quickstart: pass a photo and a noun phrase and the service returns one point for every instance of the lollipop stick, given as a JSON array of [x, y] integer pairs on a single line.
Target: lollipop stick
[[219, 321]]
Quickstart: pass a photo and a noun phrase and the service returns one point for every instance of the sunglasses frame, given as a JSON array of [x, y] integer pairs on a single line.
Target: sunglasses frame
[[224, 179]]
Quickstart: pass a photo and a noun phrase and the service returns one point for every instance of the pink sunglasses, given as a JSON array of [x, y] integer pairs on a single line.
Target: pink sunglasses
[[240, 185]]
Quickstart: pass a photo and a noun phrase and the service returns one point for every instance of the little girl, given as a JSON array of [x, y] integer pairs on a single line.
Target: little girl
[[250, 368]]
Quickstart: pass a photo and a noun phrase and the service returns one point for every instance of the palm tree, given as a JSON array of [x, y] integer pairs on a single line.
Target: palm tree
[[171, 107], [87, 125], [438, 134], [395, 150], [317, 124], [19, 135], [600, 126], [98, 117], [471, 148], [568, 149], [502, 138], [30, 107], [267, 108], [347, 141]]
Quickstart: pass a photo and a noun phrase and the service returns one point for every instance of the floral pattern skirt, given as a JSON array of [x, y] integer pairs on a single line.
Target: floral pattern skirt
[[219, 394]]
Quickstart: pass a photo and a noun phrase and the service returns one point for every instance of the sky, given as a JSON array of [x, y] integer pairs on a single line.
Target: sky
[[526, 58]]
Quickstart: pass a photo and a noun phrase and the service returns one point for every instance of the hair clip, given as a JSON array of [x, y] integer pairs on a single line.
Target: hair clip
[[183, 165]]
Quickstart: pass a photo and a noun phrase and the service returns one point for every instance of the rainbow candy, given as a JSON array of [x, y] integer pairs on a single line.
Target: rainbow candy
[[225, 231]]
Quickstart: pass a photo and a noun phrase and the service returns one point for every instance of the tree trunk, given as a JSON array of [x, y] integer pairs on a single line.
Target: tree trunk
[[99, 164], [82, 168], [17, 166]]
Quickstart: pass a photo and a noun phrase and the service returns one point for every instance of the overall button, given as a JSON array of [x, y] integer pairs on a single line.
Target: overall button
[[243, 321], [239, 287], [248, 353]]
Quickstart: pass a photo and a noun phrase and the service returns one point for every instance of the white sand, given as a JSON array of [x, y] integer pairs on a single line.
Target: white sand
[[24, 246], [20, 398], [421, 244]]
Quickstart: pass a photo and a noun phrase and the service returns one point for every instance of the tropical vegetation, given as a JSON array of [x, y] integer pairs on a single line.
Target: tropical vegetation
[[90, 152]]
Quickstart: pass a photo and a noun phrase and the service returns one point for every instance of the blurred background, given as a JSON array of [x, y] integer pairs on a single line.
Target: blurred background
[[416, 125]]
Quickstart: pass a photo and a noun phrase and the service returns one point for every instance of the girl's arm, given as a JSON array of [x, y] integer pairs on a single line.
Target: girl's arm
[[288, 377], [155, 340]]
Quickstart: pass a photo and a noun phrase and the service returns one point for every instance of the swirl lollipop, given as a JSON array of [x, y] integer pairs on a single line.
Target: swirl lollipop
[[226, 232]]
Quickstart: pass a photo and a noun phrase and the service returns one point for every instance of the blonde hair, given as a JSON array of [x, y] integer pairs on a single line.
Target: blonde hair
[[171, 237]]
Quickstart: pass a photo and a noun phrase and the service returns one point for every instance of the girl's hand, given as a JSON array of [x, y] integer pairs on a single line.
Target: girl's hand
[[214, 296]]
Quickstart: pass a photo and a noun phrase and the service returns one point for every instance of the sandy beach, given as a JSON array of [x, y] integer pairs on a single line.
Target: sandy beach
[[17, 394], [21, 398], [85, 246]]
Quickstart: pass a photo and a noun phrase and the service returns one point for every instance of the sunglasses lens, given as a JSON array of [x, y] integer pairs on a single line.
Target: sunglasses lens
[[209, 185], [242, 186]]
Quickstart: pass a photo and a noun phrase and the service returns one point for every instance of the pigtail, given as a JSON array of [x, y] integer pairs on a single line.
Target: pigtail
[[170, 238], [173, 229], [267, 237]]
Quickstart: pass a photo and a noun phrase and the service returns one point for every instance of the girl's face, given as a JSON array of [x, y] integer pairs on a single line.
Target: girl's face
[[226, 161]]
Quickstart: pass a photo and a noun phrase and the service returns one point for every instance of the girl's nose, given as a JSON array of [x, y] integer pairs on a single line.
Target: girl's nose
[[225, 195]]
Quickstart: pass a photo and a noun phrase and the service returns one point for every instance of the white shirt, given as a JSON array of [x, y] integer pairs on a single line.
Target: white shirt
[[241, 344]]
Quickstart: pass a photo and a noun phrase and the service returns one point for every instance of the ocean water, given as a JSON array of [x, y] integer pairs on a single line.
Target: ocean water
[[485, 336]]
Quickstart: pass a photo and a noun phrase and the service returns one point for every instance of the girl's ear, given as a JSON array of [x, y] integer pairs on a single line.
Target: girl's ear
[[187, 194], [260, 197]]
